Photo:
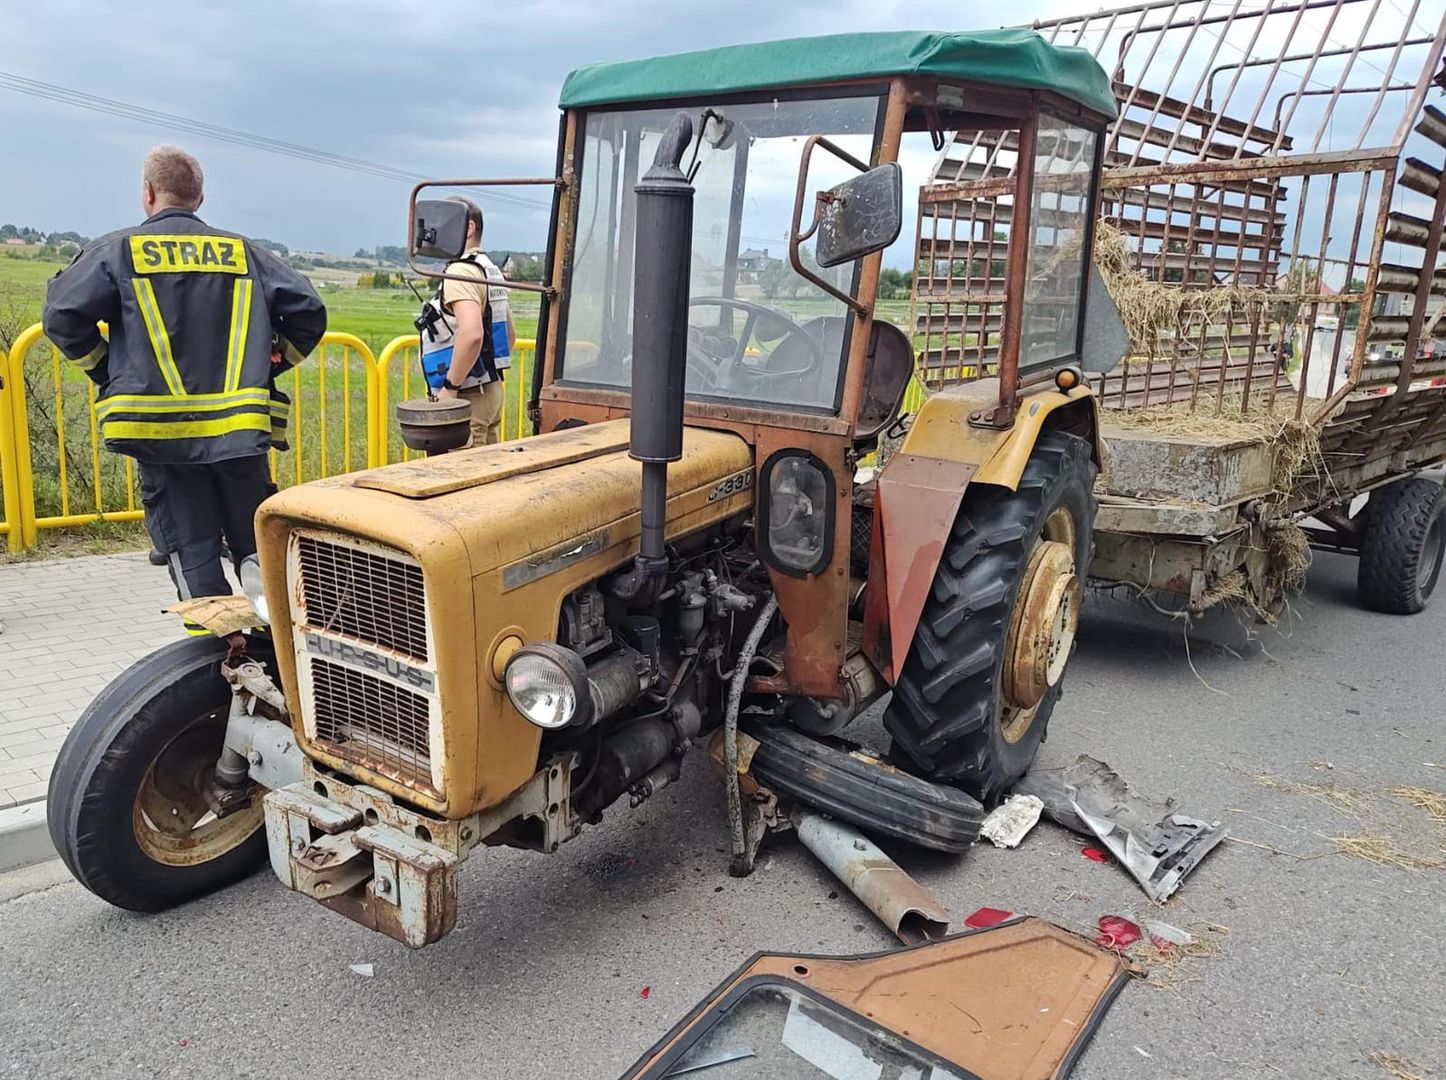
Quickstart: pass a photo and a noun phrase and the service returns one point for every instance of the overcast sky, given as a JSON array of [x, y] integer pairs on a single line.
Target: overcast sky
[[436, 87], [447, 88]]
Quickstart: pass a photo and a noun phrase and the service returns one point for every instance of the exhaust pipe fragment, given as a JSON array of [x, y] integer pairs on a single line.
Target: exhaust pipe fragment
[[903, 905], [664, 252]]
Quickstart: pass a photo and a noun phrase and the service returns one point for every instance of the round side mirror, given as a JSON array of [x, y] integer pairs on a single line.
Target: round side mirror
[[434, 427]]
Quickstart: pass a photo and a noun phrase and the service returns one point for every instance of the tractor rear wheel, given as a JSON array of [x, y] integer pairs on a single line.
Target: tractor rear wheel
[[984, 672], [1402, 546]]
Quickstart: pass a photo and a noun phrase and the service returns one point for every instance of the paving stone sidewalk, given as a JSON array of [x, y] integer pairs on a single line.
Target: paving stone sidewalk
[[70, 626]]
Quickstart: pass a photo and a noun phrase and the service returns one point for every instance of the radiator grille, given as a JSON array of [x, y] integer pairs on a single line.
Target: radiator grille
[[371, 721], [363, 594]]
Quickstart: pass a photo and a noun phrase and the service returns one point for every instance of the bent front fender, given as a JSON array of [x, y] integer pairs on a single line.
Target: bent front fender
[[922, 486]]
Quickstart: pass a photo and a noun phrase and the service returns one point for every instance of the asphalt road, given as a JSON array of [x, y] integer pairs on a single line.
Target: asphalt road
[[1323, 958]]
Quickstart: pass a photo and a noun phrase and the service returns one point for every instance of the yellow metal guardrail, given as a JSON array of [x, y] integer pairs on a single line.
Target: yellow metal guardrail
[[340, 408]]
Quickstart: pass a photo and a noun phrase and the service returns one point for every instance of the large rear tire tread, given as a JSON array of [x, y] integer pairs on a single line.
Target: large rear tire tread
[[836, 778], [1398, 520], [103, 762], [944, 716]]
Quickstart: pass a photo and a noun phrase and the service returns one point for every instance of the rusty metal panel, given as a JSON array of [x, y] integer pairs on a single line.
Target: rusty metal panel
[[918, 500], [1195, 470], [1030, 996]]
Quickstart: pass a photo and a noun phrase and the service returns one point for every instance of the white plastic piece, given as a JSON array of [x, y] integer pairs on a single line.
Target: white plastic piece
[[1165, 932], [1010, 821], [364, 969]]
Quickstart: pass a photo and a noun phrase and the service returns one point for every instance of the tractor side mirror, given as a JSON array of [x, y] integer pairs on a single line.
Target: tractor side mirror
[[439, 229], [860, 216]]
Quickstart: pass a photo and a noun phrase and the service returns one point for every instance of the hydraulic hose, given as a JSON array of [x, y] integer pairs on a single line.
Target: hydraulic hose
[[741, 864]]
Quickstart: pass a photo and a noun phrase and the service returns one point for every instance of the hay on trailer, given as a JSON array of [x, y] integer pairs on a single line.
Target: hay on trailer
[[1152, 310], [1295, 444]]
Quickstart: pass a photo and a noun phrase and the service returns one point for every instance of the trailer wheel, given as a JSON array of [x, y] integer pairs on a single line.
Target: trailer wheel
[[984, 671], [852, 784], [126, 807], [1402, 546]]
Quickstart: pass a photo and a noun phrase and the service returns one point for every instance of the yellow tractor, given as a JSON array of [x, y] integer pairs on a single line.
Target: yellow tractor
[[725, 518]]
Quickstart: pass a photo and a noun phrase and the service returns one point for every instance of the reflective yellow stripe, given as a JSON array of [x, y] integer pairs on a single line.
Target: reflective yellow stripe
[[89, 361], [185, 429], [156, 328], [196, 631], [180, 403], [240, 323], [290, 353]]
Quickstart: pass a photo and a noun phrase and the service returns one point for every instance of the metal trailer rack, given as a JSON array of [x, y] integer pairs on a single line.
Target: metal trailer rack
[[1280, 160]]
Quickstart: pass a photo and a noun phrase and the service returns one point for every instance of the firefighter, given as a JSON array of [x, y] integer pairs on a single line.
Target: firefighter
[[201, 322]]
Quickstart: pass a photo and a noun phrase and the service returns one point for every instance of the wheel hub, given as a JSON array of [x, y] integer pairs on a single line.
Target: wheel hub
[[173, 824], [1042, 631]]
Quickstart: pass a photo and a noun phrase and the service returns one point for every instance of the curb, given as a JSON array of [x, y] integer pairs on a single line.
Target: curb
[[24, 839]]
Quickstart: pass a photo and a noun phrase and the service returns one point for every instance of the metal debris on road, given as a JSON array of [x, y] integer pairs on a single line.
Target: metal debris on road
[[901, 903], [1158, 846], [1010, 821]]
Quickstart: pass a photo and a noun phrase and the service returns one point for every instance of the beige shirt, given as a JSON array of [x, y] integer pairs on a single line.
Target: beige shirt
[[479, 292]]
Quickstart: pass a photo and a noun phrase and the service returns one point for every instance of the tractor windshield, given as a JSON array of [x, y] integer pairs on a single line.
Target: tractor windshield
[[758, 332]]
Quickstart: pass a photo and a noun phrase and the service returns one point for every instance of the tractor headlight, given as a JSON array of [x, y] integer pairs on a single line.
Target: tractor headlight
[[251, 587], [547, 683], [797, 512]]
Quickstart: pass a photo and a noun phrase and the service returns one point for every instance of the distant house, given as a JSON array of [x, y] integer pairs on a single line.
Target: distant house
[[15, 241], [753, 262]]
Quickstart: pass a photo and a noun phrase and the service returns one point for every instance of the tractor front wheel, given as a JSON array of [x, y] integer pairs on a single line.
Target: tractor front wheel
[[127, 805], [984, 672]]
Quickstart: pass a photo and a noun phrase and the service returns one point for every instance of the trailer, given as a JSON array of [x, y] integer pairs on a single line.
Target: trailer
[[1270, 218]]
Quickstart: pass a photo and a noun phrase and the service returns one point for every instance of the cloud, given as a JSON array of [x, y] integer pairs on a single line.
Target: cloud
[[443, 88]]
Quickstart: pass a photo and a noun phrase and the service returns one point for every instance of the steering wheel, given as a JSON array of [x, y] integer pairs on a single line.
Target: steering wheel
[[721, 359]]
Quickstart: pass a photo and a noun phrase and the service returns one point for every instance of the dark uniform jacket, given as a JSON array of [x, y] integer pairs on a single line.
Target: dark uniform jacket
[[187, 375]]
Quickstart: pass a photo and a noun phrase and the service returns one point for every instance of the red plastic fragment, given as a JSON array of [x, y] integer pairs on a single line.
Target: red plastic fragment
[[644, 992], [1117, 932], [185, 1042], [1161, 944], [986, 917], [1094, 854]]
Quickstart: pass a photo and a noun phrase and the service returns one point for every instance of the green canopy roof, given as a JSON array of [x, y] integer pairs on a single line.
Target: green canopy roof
[[1006, 57]]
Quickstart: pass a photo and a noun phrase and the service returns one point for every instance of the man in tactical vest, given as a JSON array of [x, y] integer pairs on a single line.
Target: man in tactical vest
[[201, 322], [482, 335]]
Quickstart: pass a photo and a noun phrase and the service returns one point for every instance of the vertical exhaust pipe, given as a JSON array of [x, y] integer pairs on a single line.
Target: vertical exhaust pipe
[[662, 262]]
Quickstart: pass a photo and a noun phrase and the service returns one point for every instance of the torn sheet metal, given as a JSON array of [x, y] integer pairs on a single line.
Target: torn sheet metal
[[1010, 821], [1017, 1000], [1158, 846], [222, 615]]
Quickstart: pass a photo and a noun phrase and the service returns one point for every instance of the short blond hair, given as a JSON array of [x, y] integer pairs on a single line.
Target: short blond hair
[[173, 173]]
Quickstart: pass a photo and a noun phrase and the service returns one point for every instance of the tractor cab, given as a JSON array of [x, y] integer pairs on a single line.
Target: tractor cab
[[805, 159]]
